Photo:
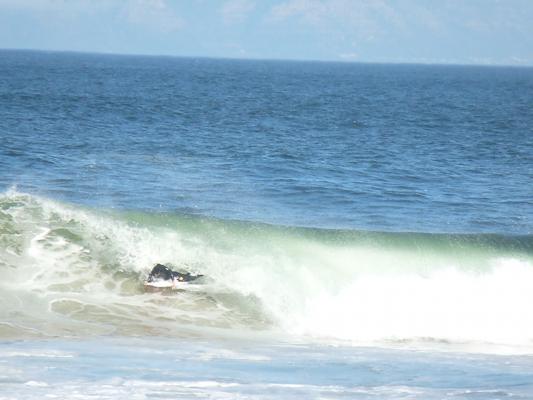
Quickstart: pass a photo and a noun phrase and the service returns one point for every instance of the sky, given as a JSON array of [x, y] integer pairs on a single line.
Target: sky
[[487, 32]]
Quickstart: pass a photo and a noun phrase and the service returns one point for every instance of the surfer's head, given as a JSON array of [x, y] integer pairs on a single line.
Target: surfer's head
[[160, 273]]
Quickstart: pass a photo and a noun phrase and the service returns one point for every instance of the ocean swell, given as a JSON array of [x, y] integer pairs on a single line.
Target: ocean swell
[[73, 271]]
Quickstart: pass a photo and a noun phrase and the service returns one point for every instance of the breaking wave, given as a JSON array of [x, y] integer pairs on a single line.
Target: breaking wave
[[73, 271]]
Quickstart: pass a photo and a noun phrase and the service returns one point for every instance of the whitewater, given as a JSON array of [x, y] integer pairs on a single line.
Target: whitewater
[[73, 271]]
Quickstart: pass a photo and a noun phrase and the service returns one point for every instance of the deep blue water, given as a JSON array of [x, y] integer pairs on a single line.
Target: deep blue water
[[374, 147]]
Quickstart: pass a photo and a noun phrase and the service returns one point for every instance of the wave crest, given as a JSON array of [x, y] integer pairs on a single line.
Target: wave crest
[[68, 270]]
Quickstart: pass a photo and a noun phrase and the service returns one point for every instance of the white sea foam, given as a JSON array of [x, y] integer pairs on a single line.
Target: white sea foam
[[36, 384], [448, 305], [38, 354], [131, 368]]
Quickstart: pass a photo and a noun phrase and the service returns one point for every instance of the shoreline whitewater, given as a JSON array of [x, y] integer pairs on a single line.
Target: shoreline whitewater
[[139, 368]]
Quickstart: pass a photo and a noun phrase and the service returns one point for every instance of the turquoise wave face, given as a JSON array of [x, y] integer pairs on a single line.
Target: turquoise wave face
[[68, 270]]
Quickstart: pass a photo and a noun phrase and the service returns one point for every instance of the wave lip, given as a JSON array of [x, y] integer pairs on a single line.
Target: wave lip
[[448, 305], [73, 271]]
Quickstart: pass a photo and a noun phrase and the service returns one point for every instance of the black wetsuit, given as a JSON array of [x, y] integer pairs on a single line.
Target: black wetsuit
[[162, 272]]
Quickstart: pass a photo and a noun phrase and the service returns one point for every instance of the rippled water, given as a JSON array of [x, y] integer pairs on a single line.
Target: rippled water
[[109, 369], [379, 147]]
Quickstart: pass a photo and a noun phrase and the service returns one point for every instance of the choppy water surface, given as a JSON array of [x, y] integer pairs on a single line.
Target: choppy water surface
[[365, 230], [375, 147], [138, 369]]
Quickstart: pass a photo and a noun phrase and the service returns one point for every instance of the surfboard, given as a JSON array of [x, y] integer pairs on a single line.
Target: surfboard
[[165, 285]]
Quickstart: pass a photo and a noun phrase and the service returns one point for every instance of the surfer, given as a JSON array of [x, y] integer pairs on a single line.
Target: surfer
[[162, 276]]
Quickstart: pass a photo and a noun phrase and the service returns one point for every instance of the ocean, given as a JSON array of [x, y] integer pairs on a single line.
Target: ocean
[[365, 230]]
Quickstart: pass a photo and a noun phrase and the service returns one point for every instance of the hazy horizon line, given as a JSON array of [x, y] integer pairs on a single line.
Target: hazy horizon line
[[303, 60]]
